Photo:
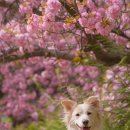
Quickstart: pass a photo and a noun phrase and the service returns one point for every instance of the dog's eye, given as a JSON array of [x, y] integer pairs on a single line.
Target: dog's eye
[[89, 113], [77, 114]]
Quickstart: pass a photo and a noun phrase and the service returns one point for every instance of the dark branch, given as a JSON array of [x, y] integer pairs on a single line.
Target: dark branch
[[107, 51], [69, 7], [121, 33], [36, 52], [9, 51], [4, 4], [11, 10], [104, 49]]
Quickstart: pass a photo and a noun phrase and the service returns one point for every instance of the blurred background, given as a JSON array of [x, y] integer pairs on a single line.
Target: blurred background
[[30, 97], [52, 50]]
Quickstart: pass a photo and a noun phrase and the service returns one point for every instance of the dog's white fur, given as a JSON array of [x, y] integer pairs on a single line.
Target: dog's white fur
[[76, 114]]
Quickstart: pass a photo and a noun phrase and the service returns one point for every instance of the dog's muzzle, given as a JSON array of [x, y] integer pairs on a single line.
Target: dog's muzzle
[[83, 128]]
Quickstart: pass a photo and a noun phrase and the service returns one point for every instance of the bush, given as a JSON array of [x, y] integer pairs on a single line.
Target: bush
[[43, 125], [127, 125]]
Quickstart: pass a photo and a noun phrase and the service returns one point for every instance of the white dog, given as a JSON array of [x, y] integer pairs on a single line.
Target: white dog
[[86, 116]]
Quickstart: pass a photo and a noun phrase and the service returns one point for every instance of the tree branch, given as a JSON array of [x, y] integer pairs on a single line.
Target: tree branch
[[104, 49], [121, 33], [36, 52], [4, 4], [107, 51], [69, 7], [11, 10]]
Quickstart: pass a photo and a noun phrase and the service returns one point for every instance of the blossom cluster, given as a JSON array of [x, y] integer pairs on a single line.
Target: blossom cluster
[[52, 23], [33, 82], [117, 80]]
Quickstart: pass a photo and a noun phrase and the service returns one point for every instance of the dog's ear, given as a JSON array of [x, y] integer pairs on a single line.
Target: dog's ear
[[68, 105], [93, 100]]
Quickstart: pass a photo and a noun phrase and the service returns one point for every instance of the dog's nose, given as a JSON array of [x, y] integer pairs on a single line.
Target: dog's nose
[[85, 122]]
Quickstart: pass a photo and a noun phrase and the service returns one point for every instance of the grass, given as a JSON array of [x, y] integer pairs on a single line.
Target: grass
[[56, 124], [53, 122], [43, 125]]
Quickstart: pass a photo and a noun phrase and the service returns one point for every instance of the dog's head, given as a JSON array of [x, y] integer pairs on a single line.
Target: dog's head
[[84, 116]]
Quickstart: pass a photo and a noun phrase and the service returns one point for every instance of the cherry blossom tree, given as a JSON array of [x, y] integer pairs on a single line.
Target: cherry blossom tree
[[48, 45]]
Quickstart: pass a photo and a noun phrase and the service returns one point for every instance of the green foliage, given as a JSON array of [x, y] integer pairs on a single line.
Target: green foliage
[[54, 125], [122, 114], [127, 125], [118, 119], [31, 126], [109, 126], [6, 119]]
